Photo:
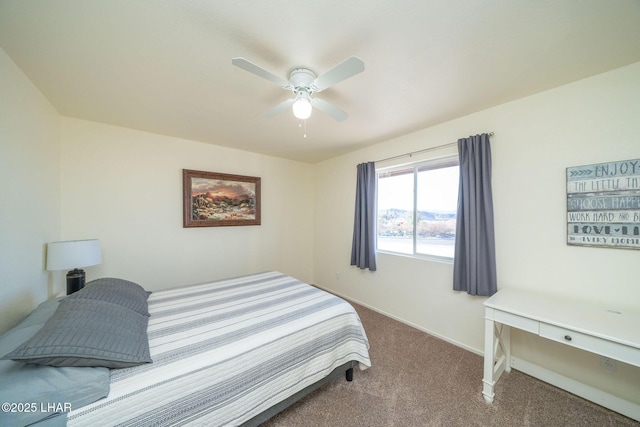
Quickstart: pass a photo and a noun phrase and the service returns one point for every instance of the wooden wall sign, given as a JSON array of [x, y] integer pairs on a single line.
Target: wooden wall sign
[[603, 205]]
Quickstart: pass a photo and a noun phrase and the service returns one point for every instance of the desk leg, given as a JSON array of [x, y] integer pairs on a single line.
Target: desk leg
[[505, 339], [489, 357], [497, 339]]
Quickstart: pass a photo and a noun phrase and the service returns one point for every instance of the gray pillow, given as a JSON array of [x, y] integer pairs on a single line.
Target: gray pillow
[[41, 385], [116, 291], [85, 332]]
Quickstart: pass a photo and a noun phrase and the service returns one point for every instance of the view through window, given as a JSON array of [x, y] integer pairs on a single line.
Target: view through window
[[417, 207]]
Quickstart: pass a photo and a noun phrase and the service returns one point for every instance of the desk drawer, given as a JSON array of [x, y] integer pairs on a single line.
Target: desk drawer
[[519, 322], [591, 343]]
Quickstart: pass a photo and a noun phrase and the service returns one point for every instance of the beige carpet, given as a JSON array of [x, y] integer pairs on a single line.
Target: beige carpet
[[420, 380]]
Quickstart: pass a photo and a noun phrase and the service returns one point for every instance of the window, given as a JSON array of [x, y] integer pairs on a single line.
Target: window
[[417, 208]]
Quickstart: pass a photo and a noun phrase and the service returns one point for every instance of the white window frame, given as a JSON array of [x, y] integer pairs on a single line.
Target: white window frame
[[437, 163]]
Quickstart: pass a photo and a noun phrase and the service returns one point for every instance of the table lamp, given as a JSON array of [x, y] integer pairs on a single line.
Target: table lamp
[[73, 254]]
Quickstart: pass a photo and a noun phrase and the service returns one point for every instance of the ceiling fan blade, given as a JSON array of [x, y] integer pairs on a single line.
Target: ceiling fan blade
[[260, 72], [329, 109], [340, 72], [278, 109]]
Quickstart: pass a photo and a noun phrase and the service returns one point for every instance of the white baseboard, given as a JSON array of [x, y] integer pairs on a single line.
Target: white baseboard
[[600, 397], [617, 404], [406, 322]]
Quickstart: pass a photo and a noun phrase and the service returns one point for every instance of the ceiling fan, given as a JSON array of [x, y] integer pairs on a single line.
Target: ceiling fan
[[303, 83]]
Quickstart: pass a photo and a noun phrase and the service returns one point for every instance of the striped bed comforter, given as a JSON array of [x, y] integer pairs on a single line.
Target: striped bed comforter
[[226, 351]]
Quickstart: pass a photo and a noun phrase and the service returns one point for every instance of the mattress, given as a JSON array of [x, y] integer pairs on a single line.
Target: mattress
[[226, 351]]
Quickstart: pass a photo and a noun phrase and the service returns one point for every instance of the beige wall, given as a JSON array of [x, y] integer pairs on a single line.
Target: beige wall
[[72, 179], [29, 192], [536, 138], [124, 187]]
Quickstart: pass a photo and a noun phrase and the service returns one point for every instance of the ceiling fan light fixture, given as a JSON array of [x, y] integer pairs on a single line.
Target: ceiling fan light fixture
[[303, 82], [302, 106]]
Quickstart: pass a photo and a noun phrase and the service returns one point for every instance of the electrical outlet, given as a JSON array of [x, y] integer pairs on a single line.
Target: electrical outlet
[[338, 276], [607, 363]]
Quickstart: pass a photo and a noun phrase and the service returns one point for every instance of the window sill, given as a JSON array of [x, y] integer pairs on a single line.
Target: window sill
[[432, 258]]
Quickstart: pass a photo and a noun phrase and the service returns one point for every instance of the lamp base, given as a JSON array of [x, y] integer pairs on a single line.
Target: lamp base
[[75, 280]]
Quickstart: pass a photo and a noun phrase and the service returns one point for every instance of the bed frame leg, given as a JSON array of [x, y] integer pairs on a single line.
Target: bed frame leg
[[349, 374]]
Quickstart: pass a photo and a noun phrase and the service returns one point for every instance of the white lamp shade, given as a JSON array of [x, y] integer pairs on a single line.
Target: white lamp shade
[[302, 107], [73, 254]]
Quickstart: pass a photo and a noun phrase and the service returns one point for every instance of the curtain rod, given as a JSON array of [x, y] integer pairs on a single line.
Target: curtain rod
[[422, 151]]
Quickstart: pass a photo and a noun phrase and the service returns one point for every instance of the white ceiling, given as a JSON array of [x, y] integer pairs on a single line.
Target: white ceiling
[[164, 66]]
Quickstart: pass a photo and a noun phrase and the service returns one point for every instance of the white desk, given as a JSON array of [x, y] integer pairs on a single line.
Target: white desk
[[588, 327]]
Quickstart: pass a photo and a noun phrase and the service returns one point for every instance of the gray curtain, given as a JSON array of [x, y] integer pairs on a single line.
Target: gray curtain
[[363, 248], [474, 265]]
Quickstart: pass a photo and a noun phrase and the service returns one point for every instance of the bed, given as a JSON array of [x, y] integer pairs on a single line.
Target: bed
[[228, 352]]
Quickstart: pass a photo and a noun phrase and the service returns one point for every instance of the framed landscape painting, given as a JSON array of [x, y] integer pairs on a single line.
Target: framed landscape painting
[[213, 199]]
